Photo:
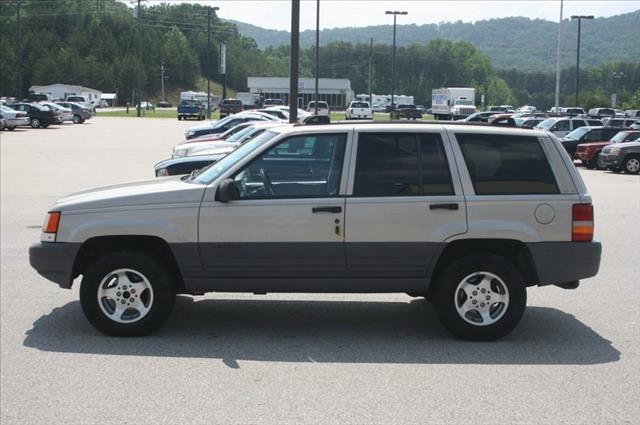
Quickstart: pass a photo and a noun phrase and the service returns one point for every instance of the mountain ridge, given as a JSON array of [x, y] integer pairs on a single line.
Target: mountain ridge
[[536, 37]]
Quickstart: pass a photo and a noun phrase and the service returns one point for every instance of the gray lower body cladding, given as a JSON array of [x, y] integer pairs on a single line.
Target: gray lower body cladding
[[560, 262], [54, 261], [322, 267]]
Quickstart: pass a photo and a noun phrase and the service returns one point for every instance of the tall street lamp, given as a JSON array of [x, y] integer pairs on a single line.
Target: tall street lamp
[[210, 11], [617, 76], [579, 18], [395, 13]]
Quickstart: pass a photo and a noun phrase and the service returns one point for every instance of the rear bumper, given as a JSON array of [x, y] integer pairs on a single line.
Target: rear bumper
[[17, 122], [559, 262], [54, 261], [584, 156]]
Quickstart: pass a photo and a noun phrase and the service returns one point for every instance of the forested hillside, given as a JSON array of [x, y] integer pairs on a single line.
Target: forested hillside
[[520, 43], [80, 42]]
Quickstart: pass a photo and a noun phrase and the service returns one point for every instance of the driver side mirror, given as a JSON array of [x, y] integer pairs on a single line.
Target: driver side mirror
[[227, 191]]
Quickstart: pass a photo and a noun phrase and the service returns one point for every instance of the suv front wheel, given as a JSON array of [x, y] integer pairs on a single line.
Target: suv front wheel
[[480, 297], [126, 294]]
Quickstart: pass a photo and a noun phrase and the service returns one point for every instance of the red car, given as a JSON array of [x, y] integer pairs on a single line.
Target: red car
[[589, 153]]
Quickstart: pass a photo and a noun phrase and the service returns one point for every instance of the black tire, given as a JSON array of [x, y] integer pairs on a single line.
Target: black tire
[[446, 285], [77, 119], [35, 123], [82, 120], [631, 164], [599, 162], [11, 128], [158, 277]]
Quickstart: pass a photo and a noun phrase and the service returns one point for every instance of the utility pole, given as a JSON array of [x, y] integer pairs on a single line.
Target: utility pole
[[617, 76], [579, 18], [395, 13], [557, 104], [223, 69], [139, 62], [209, 63], [295, 52], [162, 78], [317, 51], [370, 71], [19, 53]]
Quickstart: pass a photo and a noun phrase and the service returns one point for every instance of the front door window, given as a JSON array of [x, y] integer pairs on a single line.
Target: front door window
[[308, 166]]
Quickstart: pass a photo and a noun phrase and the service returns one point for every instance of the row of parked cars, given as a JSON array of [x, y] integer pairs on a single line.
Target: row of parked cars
[[41, 114]]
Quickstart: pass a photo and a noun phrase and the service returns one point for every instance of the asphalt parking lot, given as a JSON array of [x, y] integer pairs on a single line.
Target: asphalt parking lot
[[229, 358]]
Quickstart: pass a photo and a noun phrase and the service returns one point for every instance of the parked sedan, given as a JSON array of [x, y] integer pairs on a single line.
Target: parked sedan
[[226, 123], [185, 165], [13, 118], [221, 136], [40, 116], [65, 114], [231, 143], [80, 113]]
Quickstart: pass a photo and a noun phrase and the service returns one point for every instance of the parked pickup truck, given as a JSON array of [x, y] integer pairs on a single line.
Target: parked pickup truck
[[191, 109], [405, 111], [359, 110], [230, 107]]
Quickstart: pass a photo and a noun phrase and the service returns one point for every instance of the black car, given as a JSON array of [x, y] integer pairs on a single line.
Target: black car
[[164, 104], [40, 116], [80, 113], [226, 123], [184, 165], [571, 141]]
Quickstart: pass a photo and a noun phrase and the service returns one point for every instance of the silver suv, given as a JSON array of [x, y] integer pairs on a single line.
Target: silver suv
[[466, 216]]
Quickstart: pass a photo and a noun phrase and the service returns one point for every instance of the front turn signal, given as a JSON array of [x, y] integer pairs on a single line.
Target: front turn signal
[[51, 222]]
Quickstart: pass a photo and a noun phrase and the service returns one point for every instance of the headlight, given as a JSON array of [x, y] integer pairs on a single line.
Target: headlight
[[50, 226], [615, 151], [162, 172]]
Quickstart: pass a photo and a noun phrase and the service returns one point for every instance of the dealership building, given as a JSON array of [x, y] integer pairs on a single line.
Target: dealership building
[[335, 91]]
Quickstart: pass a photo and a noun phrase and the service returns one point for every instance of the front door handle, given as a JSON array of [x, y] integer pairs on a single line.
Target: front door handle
[[452, 206], [333, 210]]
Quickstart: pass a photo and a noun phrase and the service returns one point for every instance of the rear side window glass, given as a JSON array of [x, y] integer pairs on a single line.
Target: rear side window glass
[[401, 164], [562, 126], [507, 165]]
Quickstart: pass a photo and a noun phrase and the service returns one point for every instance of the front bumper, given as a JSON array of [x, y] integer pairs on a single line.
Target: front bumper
[[560, 262], [611, 160], [54, 261]]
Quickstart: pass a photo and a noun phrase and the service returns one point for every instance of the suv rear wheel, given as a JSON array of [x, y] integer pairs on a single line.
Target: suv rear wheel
[[480, 297], [126, 294]]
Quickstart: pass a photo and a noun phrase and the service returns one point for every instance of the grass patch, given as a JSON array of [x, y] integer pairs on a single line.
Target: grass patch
[[158, 113]]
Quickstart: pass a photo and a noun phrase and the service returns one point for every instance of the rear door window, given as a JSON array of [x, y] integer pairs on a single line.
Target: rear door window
[[507, 165], [562, 125], [401, 164]]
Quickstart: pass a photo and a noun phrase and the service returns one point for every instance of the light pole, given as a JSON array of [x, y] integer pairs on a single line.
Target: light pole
[[210, 10], [579, 18], [395, 14], [617, 76], [317, 52]]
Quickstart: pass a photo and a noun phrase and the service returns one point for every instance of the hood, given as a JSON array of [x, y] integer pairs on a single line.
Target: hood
[[187, 149], [162, 191]]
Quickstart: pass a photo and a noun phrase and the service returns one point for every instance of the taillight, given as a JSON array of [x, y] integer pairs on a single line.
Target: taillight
[[582, 223]]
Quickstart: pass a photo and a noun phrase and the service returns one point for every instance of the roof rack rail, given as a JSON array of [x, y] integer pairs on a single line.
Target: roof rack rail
[[414, 122]]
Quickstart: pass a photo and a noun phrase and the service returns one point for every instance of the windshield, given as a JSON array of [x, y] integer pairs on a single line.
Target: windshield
[[546, 124], [190, 103], [76, 98], [577, 133], [240, 134], [619, 137], [463, 102], [215, 170]]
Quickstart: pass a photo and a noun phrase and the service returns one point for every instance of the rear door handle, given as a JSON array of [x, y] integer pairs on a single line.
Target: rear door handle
[[334, 210], [451, 207]]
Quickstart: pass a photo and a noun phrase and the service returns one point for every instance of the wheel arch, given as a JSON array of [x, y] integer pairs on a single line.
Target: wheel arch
[[513, 250], [154, 246]]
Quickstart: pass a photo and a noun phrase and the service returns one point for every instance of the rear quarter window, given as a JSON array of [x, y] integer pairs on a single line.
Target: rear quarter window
[[507, 165]]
